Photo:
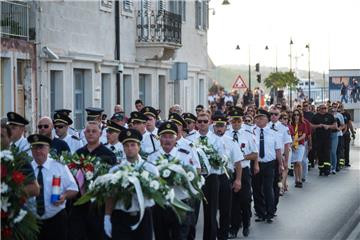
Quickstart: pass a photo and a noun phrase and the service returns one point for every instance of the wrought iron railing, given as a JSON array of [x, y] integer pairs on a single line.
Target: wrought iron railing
[[14, 19], [159, 27]]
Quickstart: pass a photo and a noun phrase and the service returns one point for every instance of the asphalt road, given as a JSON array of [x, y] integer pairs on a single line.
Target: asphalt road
[[317, 211]]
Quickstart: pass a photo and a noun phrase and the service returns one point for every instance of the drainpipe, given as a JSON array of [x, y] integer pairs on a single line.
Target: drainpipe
[[117, 47]]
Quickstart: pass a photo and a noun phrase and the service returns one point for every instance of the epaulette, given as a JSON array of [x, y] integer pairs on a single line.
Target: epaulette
[[190, 134], [75, 137], [184, 151], [274, 129], [247, 130], [74, 129]]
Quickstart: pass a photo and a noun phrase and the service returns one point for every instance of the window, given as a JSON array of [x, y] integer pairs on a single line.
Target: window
[[202, 14], [128, 5], [178, 7], [142, 88], [56, 90], [127, 94], [106, 93], [145, 88], [79, 99]]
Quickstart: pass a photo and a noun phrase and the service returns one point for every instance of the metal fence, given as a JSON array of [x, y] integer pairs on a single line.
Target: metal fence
[[14, 19], [159, 27]]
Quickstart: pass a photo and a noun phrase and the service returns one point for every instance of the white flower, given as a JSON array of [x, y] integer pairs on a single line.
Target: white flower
[[190, 176], [89, 175], [166, 173], [91, 185], [5, 204], [125, 183], [4, 187], [164, 162], [21, 215], [6, 155], [170, 195], [116, 177], [202, 179], [145, 175], [155, 185], [61, 158]]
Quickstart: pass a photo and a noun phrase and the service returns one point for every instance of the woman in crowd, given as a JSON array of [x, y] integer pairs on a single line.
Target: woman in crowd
[[298, 148], [284, 119]]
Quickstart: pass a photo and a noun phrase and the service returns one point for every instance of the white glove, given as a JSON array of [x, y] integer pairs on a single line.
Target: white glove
[[107, 226]]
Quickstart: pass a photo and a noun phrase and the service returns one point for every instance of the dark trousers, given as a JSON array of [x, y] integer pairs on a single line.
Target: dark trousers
[[87, 222], [224, 206], [241, 203], [323, 153], [211, 192], [195, 204], [263, 188], [54, 228], [347, 140], [167, 225], [277, 178], [340, 152], [122, 222]]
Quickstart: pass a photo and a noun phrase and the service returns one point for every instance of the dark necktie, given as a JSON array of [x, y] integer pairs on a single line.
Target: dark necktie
[[203, 140], [13, 145], [273, 126], [167, 156], [235, 136], [262, 144], [40, 206], [112, 148]]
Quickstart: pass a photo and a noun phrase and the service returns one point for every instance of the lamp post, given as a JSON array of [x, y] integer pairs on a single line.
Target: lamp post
[[249, 73], [225, 2], [309, 75], [291, 43], [276, 57]]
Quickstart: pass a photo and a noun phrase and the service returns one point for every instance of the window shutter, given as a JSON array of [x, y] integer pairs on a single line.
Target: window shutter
[[205, 15], [197, 14]]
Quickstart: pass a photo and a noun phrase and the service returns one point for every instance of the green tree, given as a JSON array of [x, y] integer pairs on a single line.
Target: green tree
[[279, 80]]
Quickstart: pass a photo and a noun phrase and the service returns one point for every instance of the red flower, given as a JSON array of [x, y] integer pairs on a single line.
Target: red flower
[[6, 232], [4, 214], [89, 168], [82, 159], [242, 145], [72, 165], [18, 177], [3, 171]]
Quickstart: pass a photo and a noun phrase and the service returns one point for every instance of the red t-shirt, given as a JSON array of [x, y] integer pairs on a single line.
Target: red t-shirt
[[301, 130]]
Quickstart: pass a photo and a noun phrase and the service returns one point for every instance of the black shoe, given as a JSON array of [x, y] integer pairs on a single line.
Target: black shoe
[[347, 165], [259, 219], [246, 231], [303, 180], [269, 220], [232, 235], [338, 169]]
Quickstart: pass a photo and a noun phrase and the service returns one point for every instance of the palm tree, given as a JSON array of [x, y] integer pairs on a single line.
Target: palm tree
[[280, 80]]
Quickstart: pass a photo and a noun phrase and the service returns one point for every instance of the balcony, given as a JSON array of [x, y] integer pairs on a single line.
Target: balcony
[[158, 34], [14, 19]]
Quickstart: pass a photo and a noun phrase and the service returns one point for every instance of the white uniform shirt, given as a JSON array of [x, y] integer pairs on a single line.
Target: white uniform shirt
[[52, 168], [118, 149], [73, 142], [22, 144], [283, 133], [246, 143], [187, 145], [271, 143], [191, 136], [134, 201], [154, 132], [218, 144], [232, 151], [149, 143], [183, 157]]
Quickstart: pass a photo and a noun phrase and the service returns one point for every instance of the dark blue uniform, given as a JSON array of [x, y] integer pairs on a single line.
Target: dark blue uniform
[[58, 146]]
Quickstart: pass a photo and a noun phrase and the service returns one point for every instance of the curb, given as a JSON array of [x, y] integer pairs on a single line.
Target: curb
[[351, 229]]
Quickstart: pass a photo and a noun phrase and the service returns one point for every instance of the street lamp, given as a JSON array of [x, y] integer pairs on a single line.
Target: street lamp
[[276, 57], [309, 75], [238, 48], [291, 43], [225, 2]]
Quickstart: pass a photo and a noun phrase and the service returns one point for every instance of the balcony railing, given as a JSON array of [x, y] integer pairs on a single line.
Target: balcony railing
[[14, 19], [159, 27]]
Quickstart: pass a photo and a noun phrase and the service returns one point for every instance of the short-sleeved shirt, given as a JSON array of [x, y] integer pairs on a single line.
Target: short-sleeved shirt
[[232, 151], [106, 155], [327, 119], [271, 143], [308, 115]]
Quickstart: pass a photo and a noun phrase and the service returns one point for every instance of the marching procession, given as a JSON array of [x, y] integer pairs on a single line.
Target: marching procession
[[141, 177]]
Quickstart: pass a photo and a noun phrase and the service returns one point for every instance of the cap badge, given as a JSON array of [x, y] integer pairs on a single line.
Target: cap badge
[[168, 125], [12, 115], [36, 138], [128, 133]]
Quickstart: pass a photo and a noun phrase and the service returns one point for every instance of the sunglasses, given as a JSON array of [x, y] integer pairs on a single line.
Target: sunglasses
[[284, 119], [296, 114], [43, 126], [275, 114], [247, 121], [202, 121], [199, 110], [59, 126]]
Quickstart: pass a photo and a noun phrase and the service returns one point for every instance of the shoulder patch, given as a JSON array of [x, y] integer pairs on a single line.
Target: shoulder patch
[[75, 137], [274, 129], [247, 130], [190, 134], [184, 151]]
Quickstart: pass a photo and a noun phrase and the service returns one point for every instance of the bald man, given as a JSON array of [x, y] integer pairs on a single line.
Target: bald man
[[58, 146]]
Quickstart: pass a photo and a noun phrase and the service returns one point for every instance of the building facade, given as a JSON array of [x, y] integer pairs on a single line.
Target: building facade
[[99, 53]]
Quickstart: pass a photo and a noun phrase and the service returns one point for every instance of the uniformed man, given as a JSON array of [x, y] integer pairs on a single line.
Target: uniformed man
[[57, 146], [166, 224], [285, 136], [323, 123], [86, 220], [241, 201], [269, 146], [94, 115], [230, 177], [120, 119], [71, 131], [149, 142], [152, 115], [61, 126], [118, 219], [52, 214], [211, 187], [113, 131], [17, 125], [190, 120]]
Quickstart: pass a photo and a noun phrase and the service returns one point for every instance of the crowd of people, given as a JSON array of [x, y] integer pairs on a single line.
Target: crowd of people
[[258, 147], [350, 93]]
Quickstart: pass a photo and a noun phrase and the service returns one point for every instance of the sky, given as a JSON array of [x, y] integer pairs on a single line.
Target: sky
[[331, 27]]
